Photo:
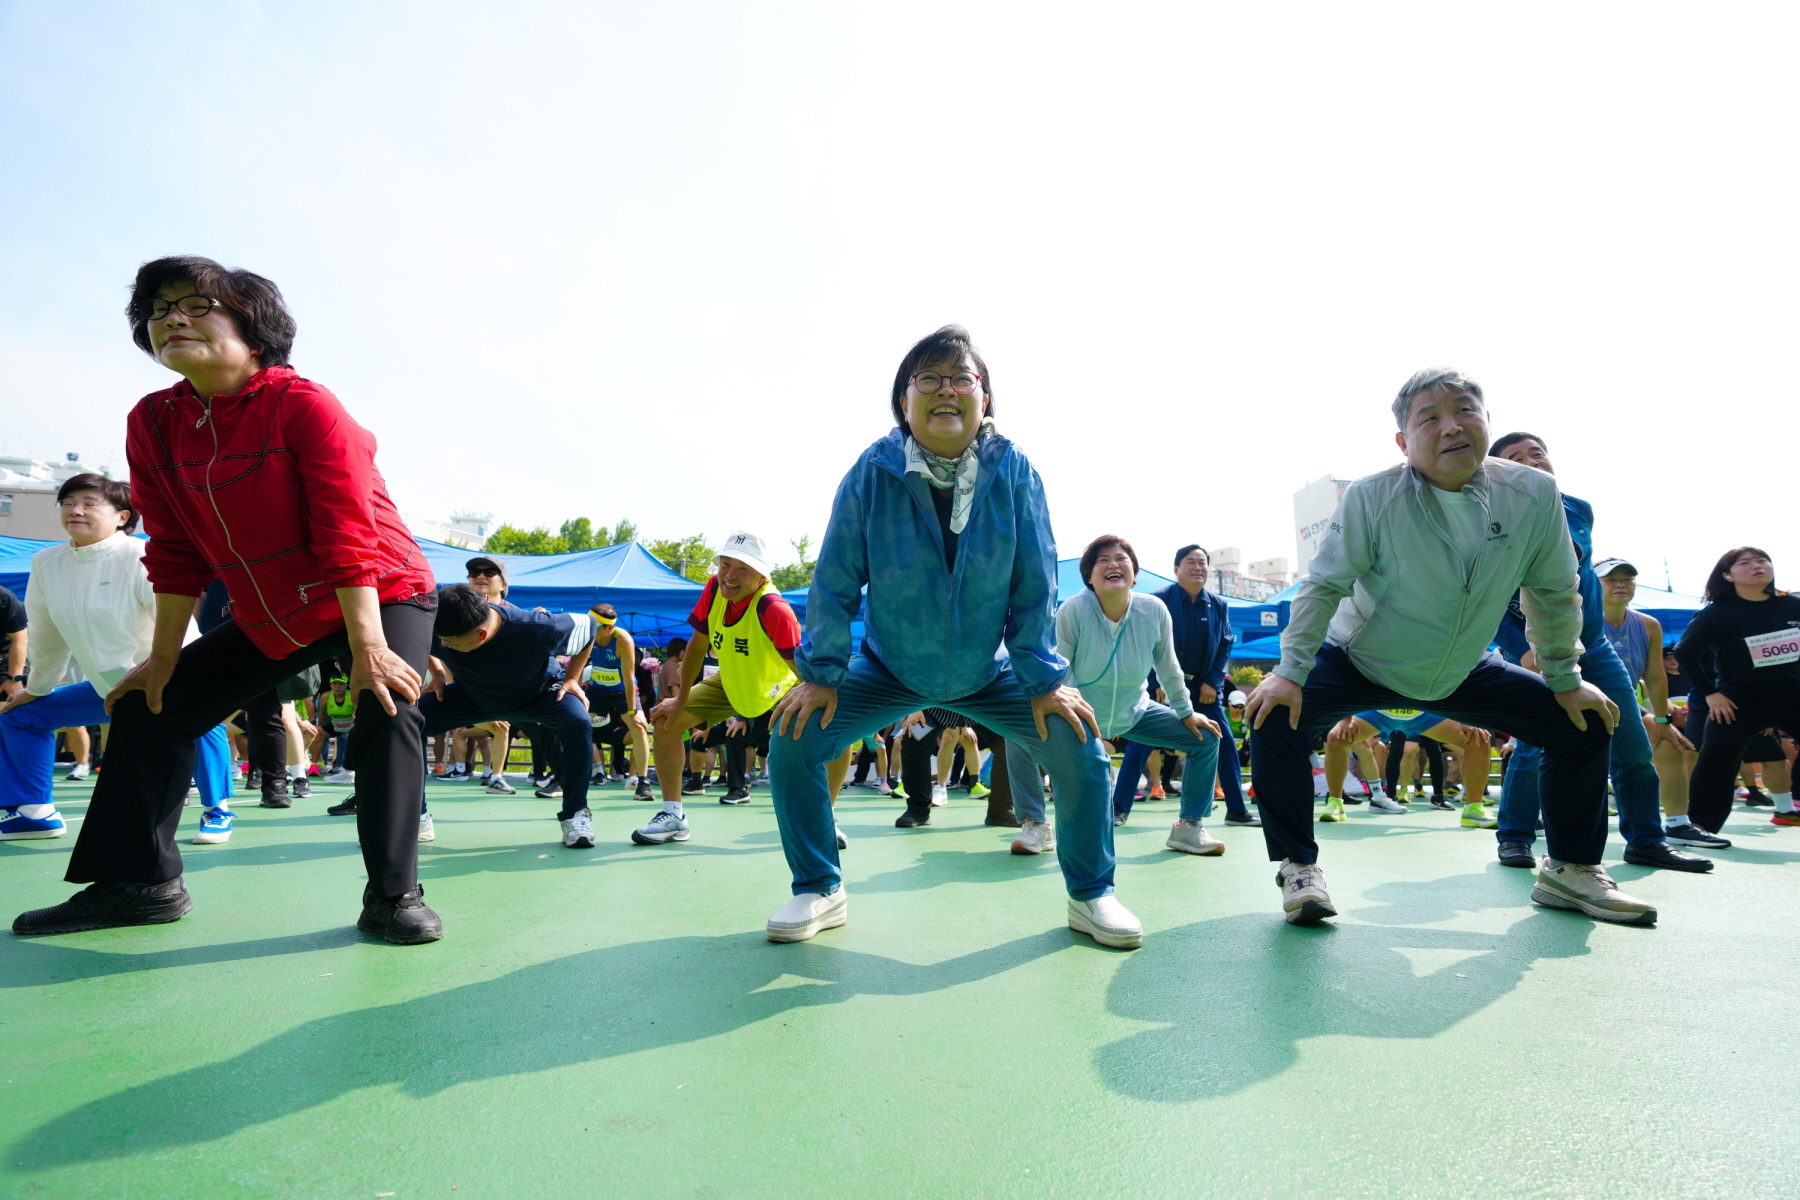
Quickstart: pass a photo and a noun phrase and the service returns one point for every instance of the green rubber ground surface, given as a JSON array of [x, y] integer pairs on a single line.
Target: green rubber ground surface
[[613, 1022]]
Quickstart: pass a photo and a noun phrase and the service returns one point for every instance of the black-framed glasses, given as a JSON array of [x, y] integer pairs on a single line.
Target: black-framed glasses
[[962, 383], [191, 307]]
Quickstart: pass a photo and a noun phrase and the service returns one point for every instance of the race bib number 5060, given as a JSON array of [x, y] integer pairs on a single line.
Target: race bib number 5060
[[1773, 649]]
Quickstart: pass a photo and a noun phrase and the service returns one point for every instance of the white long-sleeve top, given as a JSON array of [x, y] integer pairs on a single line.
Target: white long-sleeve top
[[92, 604], [1114, 681]]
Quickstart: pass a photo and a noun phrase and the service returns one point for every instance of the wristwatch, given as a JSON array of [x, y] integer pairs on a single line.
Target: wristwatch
[[1662, 720]]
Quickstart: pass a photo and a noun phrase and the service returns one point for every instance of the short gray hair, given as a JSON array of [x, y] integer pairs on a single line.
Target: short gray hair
[[1426, 380]]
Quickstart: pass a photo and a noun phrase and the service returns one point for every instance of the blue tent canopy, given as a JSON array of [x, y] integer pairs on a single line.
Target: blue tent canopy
[[15, 562]]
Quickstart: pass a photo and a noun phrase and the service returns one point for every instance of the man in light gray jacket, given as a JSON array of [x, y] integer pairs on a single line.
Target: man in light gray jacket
[[1396, 611]]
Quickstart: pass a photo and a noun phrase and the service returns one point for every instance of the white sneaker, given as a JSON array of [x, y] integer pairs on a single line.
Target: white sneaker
[[1379, 802], [843, 842], [1035, 837], [1303, 895], [1190, 837], [578, 831], [939, 797], [1590, 890], [499, 787], [1106, 921], [78, 771], [806, 914], [427, 831]]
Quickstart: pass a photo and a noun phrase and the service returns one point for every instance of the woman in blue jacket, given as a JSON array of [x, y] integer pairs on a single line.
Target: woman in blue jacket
[[943, 521]]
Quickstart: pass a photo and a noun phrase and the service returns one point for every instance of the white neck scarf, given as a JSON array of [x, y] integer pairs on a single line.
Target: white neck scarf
[[946, 473]]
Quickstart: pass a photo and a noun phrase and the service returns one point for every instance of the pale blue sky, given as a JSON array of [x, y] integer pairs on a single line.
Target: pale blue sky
[[659, 261]]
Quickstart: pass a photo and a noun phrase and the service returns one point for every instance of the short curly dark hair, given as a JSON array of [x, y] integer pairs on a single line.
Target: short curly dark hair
[[255, 303], [116, 491]]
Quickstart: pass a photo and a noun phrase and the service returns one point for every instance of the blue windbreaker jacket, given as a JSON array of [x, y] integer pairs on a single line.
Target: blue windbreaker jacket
[[943, 634]]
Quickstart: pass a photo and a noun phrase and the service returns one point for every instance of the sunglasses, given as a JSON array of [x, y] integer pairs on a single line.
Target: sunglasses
[[483, 573]]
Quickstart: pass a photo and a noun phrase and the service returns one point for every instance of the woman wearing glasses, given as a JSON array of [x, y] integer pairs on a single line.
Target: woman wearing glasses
[[944, 522], [247, 471]]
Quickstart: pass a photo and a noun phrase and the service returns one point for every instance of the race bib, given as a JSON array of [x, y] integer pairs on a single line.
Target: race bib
[[343, 724], [1401, 714], [1774, 649], [606, 676]]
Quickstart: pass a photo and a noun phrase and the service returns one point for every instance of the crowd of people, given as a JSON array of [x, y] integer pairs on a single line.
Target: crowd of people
[[280, 612]]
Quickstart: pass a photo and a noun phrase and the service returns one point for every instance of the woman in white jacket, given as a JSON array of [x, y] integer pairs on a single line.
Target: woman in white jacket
[[89, 604], [1112, 638]]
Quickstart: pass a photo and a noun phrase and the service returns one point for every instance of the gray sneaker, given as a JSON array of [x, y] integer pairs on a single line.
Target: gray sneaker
[[1303, 896], [665, 826], [1190, 837], [1379, 802], [578, 830], [1590, 890]]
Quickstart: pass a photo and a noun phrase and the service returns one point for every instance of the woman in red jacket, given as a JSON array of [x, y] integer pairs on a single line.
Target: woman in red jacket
[[246, 471]]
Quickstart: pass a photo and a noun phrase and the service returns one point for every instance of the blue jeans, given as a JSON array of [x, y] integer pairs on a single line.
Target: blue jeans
[[1635, 788], [28, 747], [1158, 727], [1230, 772], [870, 698]]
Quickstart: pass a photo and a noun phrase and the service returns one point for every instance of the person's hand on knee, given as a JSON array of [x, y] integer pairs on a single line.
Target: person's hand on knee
[[1064, 702], [1272, 693], [1588, 698]]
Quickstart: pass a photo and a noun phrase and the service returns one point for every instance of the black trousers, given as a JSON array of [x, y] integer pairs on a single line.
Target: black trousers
[[265, 738], [1494, 695], [754, 736], [918, 759], [129, 833], [1433, 751], [1711, 786]]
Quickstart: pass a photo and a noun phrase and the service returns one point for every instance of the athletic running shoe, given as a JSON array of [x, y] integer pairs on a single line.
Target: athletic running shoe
[[427, 830], [596, 778], [497, 786], [1378, 802], [578, 830], [346, 809], [404, 920], [898, 788], [939, 797], [1190, 837], [978, 789], [1106, 921], [1517, 854], [1120, 816], [1035, 837], [551, 789], [1173, 788], [1349, 799], [693, 785], [1692, 835], [14, 828], [883, 789], [1785, 818], [1304, 899], [643, 790], [736, 796], [215, 827], [665, 826], [1244, 818], [1476, 817], [1589, 890], [1156, 793], [78, 771], [339, 775], [842, 841], [300, 788], [1333, 810], [275, 793], [1443, 802], [1757, 798], [806, 914]]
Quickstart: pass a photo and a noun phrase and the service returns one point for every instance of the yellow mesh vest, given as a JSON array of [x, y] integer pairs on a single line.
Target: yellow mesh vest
[[754, 673]]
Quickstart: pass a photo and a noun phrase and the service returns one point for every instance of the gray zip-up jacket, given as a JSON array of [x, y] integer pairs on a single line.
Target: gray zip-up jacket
[[1391, 589]]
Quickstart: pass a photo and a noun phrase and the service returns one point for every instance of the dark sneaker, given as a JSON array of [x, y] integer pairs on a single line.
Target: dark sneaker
[[252, 778], [1692, 835], [1442, 801], [694, 785], [551, 789], [736, 796], [643, 790], [275, 793], [1785, 818], [346, 809], [1517, 854], [403, 920], [1757, 798], [108, 905], [912, 818], [1661, 854], [1244, 818], [300, 788]]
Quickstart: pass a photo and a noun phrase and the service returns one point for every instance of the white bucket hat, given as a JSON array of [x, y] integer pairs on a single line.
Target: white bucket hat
[[747, 548]]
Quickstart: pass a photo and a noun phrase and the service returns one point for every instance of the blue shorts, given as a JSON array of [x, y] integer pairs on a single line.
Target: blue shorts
[[1409, 721]]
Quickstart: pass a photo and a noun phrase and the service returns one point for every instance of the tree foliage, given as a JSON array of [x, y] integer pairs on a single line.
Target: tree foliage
[[691, 556], [576, 534], [796, 574]]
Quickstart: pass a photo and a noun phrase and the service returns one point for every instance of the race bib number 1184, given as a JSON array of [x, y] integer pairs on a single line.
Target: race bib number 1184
[[1774, 649]]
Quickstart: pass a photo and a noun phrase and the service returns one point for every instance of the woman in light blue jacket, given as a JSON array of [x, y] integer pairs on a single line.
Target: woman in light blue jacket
[[943, 522], [1112, 638]]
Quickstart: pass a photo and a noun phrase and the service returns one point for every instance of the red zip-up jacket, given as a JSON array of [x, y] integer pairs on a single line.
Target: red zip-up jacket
[[274, 490]]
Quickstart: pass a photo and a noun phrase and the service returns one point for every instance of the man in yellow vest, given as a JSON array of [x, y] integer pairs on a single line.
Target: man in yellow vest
[[745, 624]]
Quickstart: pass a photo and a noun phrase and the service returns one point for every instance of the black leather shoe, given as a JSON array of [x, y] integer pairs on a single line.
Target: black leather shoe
[[912, 818], [403, 920], [1003, 817], [1661, 854], [1517, 854], [346, 809], [275, 793], [1244, 818], [107, 905]]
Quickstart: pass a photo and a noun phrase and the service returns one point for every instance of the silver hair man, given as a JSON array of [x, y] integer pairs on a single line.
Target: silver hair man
[[1429, 378]]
